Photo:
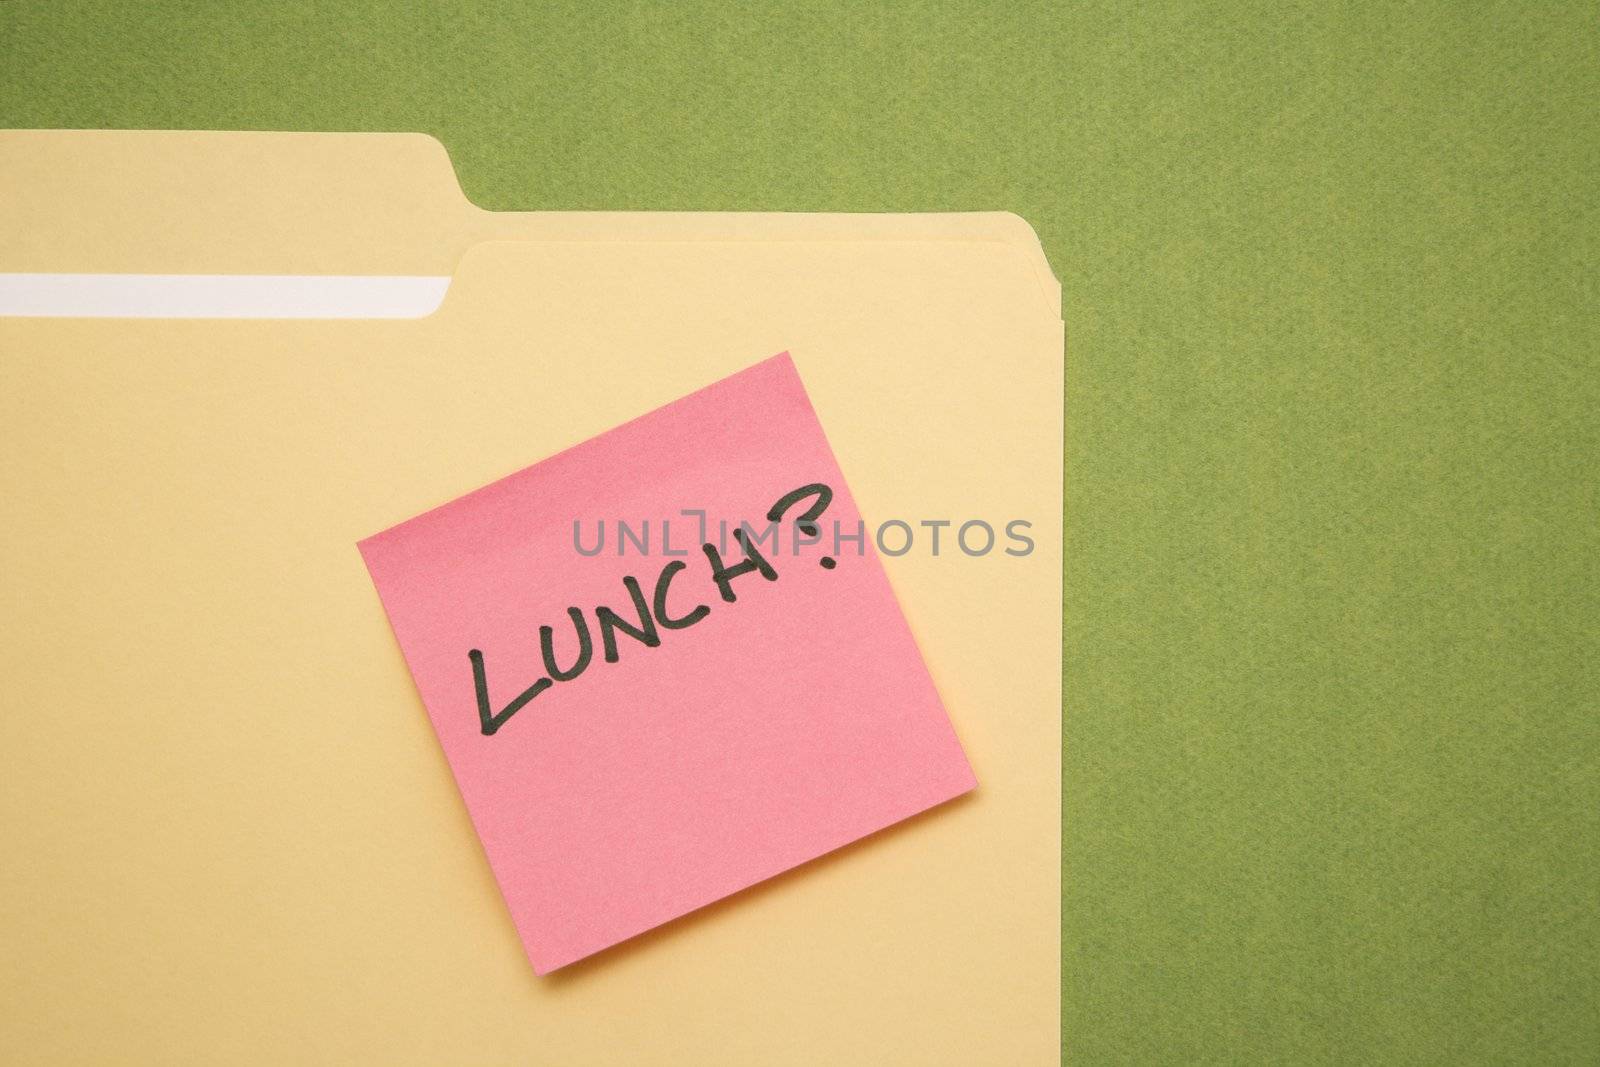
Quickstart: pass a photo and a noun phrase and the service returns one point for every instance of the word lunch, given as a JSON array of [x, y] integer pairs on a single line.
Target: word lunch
[[651, 615]]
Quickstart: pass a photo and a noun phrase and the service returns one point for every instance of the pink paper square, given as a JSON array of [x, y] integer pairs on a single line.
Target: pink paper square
[[774, 729]]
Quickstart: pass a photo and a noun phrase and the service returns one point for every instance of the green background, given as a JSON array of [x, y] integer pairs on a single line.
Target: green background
[[1332, 754]]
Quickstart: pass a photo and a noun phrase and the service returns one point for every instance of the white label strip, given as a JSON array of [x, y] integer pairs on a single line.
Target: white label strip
[[220, 296]]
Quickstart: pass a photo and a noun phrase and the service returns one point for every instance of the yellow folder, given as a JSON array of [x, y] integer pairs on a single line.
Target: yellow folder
[[231, 833]]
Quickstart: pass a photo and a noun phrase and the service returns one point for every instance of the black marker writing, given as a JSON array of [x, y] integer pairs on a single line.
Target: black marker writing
[[651, 617]]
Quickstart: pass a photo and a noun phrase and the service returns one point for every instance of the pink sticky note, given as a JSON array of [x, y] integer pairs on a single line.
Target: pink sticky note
[[710, 744]]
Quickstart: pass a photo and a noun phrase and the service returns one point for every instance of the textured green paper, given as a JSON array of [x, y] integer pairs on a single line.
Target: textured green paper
[[1332, 756]]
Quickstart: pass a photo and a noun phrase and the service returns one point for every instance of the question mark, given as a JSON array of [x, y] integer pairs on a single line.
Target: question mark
[[806, 522]]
